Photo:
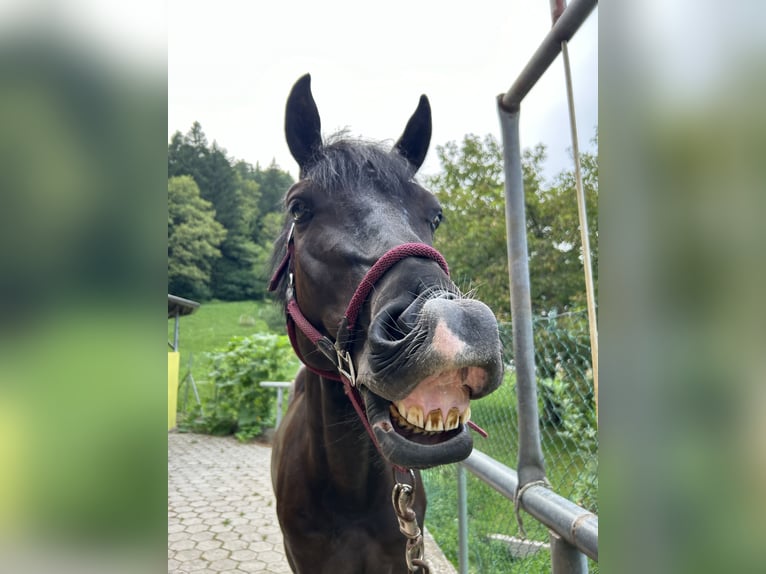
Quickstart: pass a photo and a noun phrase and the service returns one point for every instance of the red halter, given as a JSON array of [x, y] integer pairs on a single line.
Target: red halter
[[338, 352]]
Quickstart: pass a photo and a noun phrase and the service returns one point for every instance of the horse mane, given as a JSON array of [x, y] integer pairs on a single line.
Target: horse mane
[[344, 165]]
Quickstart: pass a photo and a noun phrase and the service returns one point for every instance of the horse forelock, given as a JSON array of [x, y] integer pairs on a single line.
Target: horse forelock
[[347, 165]]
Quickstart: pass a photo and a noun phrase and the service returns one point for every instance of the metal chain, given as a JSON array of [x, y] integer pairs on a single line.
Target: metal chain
[[403, 498]]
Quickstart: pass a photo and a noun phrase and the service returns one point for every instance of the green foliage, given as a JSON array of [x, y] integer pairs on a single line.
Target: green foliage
[[473, 236], [562, 344], [234, 277], [194, 237], [239, 404], [272, 184], [579, 427], [246, 200], [211, 327], [562, 351], [553, 234]]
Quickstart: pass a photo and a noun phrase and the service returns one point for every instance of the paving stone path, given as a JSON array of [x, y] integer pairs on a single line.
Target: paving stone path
[[221, 509]]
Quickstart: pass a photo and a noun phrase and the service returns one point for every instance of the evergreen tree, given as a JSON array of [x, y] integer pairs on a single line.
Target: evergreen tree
[[193, 239], [236, 192]]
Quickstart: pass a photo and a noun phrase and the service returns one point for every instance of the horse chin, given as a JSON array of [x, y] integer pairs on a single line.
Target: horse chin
[[410, 447]]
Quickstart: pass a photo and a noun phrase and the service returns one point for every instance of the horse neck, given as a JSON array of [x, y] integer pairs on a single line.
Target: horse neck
[[341, 448]]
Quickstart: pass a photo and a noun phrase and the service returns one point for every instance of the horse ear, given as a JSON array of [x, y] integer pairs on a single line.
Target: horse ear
[[413, 144], [303, 128]]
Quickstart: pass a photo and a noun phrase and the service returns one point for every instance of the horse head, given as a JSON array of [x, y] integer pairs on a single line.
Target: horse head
[[421, 351]]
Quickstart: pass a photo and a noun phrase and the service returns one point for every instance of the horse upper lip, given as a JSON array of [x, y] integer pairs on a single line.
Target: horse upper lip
[[434, 421]]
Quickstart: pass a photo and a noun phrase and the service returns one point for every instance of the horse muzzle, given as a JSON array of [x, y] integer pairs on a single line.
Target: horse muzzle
[[421, 367]]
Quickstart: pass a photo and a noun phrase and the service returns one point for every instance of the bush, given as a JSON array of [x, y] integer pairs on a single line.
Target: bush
[[273, 315], [579, 428], [240, 405]]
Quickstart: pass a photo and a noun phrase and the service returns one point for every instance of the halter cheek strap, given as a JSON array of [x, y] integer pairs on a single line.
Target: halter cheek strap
[[338, 351]]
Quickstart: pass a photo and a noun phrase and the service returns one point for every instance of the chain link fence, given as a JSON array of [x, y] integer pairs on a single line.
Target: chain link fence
[[570, 445]]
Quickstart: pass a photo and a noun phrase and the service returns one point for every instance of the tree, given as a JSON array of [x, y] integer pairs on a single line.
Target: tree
[[272, 184], [193, 239], [235, 201], [553, 236], [473, 236]]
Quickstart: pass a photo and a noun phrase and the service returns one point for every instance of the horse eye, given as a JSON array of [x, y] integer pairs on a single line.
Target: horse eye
[[299, 210], [436, 221]]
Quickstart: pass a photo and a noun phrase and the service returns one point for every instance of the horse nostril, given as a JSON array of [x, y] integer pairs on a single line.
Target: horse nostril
[[395, 322], [388, 329]]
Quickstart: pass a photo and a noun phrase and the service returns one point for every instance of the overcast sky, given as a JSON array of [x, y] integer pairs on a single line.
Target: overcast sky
[[231, 65]]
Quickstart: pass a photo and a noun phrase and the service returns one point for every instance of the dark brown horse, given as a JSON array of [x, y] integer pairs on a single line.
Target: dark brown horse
[[393, 352]]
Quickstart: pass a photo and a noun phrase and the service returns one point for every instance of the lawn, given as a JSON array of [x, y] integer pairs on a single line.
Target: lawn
[[212, 326]]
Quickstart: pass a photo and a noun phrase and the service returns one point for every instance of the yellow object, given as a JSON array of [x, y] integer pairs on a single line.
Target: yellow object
[[174, 361], [13, 467]]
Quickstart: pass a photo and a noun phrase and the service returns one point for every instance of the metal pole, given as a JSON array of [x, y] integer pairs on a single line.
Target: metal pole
[[279, 407], [563, 30], [280, 386], [531, 466], [584, 236], [557, 9], [565, 558], [462, 520], [176, 329]]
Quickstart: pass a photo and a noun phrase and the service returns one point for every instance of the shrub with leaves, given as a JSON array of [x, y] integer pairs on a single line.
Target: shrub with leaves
[[240, 405], [578, 426]]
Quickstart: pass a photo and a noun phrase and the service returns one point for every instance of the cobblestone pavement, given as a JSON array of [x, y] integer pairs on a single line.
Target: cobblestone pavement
[[221, 509]]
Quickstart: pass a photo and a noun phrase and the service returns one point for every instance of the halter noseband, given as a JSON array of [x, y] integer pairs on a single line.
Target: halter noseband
[[338, 352]]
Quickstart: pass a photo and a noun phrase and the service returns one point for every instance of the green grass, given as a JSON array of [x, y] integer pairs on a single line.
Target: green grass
[[209, 329]]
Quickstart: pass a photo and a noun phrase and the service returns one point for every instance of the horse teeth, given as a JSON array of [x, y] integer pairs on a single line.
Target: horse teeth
[[402, 409], [453, 419], [466, 416], [400, 420], [415, 416], [434, 421]]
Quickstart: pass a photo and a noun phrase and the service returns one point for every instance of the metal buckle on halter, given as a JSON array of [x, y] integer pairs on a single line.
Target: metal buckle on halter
[[290, 277], [290, 291], [344, 360], [290, 233]]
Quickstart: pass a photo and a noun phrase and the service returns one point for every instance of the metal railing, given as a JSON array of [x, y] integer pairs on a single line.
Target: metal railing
[[280, 386], [573, 530], [577, 526]]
